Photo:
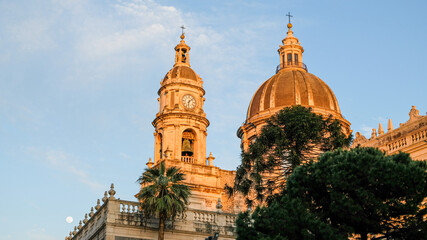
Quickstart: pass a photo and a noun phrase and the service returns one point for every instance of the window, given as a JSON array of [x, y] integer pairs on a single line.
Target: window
[[296, 58], [183, 58], [289, 59]]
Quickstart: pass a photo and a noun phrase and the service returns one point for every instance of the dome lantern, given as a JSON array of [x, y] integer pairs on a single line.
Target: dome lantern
[[291, 51], [182, 56]]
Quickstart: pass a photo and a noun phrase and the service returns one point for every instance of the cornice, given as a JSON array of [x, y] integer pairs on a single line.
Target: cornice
[[180, 84], [180, 115]]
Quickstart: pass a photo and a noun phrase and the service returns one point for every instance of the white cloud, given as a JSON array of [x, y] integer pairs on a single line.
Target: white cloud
[[138, 25], [39, 234], [61, 161], [124, 156], [366, 131]]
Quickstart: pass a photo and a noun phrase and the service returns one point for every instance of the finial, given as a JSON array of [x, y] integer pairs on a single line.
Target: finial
[[289, 24], [390, 126], [80, 225], [182, 32], [210, 159], [168, 153], [75, 231], [98, 205], [71, 236], [380, 129], [219, 205], [150, 163], [85, 220], [104, 199], [112, 192], [374, 133], [91, 212]]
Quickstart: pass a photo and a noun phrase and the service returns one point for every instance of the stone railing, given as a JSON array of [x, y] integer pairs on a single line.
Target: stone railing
[[95, 219], [291, 64], [203, 216], [406, 141], [421, 135], [396, 145], [187, 159], [128, 213]]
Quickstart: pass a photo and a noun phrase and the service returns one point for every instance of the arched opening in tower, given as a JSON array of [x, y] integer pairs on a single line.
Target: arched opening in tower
[[188, 140]]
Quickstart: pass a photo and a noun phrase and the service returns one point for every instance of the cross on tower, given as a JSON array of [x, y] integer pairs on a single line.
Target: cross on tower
[[289, 15], [182, 27]]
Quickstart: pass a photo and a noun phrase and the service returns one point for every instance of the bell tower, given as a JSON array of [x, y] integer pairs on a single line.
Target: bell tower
[[181, 124]]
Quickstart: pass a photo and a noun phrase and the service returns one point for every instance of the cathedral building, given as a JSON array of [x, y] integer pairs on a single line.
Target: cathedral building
[[180, 131], [409, 137]]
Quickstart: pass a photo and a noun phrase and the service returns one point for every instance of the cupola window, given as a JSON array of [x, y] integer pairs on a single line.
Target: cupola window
[[183, 56], [296, 58], [289, 58]]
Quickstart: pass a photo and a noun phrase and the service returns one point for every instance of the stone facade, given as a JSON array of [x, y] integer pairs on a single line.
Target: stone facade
[[118, 219], [180, 141], [409, 137]]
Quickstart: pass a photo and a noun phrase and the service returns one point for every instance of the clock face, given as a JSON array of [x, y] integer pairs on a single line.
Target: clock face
[[188, 101]]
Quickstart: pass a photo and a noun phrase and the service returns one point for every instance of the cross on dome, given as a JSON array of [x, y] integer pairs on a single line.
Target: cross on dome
[[289, 15], [182, 32]]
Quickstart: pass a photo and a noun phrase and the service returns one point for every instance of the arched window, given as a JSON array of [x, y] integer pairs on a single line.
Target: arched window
[[184, 57], [159, 146], [188, 138]]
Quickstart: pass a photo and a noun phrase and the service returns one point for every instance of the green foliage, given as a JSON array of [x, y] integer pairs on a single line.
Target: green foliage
[[291, 137], [360, 191], [363, 191], [163, 195], [285, 219]]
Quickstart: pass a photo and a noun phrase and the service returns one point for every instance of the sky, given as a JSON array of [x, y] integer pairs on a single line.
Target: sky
[[79, 81]]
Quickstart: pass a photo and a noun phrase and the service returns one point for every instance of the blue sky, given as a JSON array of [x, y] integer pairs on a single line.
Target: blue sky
[[79, 81]]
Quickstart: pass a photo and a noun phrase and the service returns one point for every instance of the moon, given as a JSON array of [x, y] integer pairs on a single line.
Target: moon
[[69, 219]]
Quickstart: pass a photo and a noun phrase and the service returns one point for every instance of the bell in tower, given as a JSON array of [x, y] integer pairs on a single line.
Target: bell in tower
[[187, 144], [186, 148]]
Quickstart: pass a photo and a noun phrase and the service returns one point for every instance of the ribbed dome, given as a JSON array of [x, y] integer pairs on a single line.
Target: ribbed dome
[[293, 87], [182, 72]]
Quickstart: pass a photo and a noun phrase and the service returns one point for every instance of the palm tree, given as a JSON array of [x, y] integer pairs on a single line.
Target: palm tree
[[163, 194]]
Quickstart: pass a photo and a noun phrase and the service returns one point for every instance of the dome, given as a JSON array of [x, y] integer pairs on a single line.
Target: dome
[[292, 87], [181, 71]]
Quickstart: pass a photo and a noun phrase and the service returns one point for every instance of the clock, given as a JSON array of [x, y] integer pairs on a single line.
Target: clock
[[188, 101]]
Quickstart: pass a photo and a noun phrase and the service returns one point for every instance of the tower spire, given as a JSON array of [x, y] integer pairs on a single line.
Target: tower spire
[[182, 56]]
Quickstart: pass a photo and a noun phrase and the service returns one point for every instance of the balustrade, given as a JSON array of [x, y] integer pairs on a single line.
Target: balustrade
[[291, 64], [204, 217], [128, 213], [187, 159]]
